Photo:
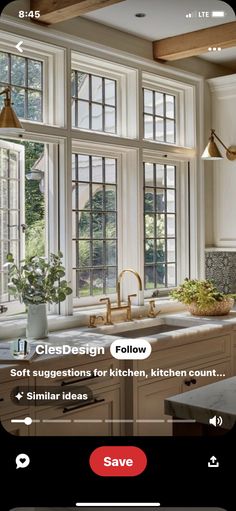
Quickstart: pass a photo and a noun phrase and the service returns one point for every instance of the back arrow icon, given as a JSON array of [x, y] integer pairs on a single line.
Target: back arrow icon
[[18, 46]]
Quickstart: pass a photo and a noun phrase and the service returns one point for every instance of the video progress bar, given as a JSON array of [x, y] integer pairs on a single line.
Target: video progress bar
[[28, 421], [118, 504]]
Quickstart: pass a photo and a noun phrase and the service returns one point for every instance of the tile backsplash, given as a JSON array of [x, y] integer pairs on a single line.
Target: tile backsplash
[[221, 269]]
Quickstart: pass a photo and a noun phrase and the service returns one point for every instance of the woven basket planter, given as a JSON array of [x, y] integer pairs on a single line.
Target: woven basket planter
[[217, 309]]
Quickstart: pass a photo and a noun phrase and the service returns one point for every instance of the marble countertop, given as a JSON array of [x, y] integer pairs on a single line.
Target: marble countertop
[[195, 328], [205, 402]]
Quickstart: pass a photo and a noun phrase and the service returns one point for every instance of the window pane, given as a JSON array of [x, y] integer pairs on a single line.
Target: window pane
[[83, 254], [171, 279], [97, 225], [111, 276], [160, 175], [170, 131], [13, 165], [4, 67], [159, 127], [82, 86], [84, 224], [149, 251], [149, 226], [148, 101], [160, 251], [170, 196], [97, 281], [97, 172], [170, 106], [170, 176], [111, 253], [149, 174], [110, 219], [110, 92], [149, 277], [3, 194], [97, 197], [160, 200], [83, 284], [73, 83], [98, 255], [160, 275], [83, 167], [159, 104], [97, 89], [110, 119], [170, 225], [110, 197], [83, 114], [18, 70], [18, 98], [80, 196], [171, 250], [34, 106], [160, 226], [110, 170], [148, 127], [14, 195], [97, 117], [149, 199], [3, 163], [34, 74]]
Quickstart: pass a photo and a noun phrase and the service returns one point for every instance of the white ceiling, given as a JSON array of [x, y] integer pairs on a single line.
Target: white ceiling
[[166, 18]]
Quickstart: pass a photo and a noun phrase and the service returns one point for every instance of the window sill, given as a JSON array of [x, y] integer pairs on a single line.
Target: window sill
[[12, 326]]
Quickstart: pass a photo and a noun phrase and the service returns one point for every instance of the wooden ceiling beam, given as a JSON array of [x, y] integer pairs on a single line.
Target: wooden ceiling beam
[[60, 10], [195, 43]]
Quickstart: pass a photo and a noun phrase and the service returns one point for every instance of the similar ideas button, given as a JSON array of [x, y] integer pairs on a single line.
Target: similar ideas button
[[126, 349], [118, 461]]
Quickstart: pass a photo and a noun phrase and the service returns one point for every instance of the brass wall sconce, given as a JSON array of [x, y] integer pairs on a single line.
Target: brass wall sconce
[[9, 122], [212, 152]]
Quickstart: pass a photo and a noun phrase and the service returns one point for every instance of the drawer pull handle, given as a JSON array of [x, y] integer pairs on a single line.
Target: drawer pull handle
[[1, 399], [72, 382], [194, 381], [77, 407], [188, 383]]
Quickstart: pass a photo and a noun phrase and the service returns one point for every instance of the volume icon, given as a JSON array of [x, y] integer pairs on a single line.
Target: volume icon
[[216, 421]]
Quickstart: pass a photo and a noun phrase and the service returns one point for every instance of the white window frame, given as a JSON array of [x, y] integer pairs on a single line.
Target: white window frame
[[126, 87], [52, 57]]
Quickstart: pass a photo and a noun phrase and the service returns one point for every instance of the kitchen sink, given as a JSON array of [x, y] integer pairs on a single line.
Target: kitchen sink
[[144, 332]]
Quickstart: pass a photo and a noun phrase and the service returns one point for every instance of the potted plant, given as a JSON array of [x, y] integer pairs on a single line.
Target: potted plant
[[36, 282], [202, 298]]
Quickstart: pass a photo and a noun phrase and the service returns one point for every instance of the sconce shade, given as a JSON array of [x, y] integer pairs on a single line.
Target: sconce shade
[[9, 122], [211, 151]]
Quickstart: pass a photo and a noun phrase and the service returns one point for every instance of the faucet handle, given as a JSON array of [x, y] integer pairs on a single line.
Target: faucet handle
[[105, 300], [152, 313], [131, 296]]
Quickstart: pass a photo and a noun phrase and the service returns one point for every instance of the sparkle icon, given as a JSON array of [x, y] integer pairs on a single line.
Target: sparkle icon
[[19, 396]]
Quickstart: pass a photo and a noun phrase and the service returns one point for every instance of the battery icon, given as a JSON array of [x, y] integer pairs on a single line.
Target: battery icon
[[217, 14]]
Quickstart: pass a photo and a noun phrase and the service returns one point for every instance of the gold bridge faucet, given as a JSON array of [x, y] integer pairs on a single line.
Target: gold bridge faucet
[[128, 270]]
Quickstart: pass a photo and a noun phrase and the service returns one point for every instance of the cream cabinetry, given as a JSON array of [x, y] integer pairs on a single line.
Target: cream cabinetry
[[149, 394]]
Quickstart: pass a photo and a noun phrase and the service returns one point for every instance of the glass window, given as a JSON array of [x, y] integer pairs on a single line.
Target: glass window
[[159, 225], [159, 116], [94, 224], [25, 76], [93, 102]]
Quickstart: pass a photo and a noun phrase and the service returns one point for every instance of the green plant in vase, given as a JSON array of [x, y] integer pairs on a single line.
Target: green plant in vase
[[36, 282]]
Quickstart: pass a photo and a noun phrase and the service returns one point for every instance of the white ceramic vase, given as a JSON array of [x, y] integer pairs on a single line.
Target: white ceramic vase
[[37, 321]]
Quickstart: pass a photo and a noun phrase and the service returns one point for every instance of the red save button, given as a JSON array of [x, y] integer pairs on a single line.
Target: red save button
[[118, 461]]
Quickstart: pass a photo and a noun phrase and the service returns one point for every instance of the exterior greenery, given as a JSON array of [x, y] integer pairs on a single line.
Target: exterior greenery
[[201, 292], [38, 280]]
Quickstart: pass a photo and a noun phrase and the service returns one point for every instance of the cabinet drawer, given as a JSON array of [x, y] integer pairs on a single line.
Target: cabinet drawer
[[93, 419], [196, 382], [188, 355], [88, 377]]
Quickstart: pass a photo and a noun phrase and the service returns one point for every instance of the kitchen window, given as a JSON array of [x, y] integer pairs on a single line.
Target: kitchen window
[[160, 249], [159, 116], [25, 76], [94, 224], [94, 105]]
